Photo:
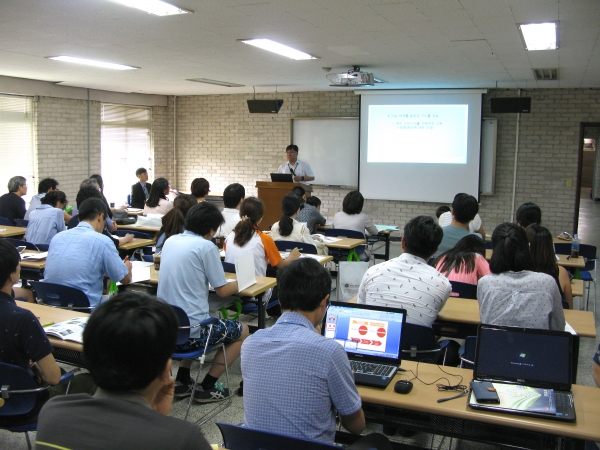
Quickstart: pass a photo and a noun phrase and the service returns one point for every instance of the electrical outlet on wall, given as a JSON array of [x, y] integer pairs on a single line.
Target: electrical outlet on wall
[[569, 182]]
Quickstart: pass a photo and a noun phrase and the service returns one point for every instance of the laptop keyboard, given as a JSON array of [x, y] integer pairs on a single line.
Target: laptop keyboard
[[371, 369], [562, 401]]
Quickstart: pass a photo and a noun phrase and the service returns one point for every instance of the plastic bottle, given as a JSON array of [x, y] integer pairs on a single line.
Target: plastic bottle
[[575, 247]]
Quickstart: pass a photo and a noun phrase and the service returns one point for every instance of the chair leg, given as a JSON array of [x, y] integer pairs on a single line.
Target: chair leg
[[201, 361], [28, 441], [224, 405]]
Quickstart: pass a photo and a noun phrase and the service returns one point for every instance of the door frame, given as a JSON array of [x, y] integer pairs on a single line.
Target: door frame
[[582, 127]]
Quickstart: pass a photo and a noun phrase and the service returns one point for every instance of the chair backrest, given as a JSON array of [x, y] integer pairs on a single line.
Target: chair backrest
[[73, 222], [19, 243], [418, 342], [562, 248], [288, 246], [183, 334], [236, 437], [467, 359], [129, 199], [16, 378], [6, 221], [341, 232], [136, 234], [61, 296], [228, 267], [489, 245], [22, 222], [588, 252], [463, 290]]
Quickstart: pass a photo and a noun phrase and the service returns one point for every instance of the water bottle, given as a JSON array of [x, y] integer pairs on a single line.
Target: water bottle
[[575, 247]]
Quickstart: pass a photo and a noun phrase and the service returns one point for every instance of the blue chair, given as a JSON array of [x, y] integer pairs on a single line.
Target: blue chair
[[7, 222], [589, 253], [463, 290], [20, 243], [60, 296], [237, 437], [148, 258], [419, 344], [183, 336], [343, 255], [22, 222], [20, 395], [129, 199], [288, 246], [467, 352]]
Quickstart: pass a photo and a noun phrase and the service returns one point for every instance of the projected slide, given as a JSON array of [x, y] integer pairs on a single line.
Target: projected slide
[[368, 334], [431, 134]]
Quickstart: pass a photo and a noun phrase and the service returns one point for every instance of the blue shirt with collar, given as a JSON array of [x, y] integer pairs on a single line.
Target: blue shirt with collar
[[80, 257], [295, 380], [45, 222]]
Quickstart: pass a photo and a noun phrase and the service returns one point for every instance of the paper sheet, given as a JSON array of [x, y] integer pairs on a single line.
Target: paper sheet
[[245, 271]]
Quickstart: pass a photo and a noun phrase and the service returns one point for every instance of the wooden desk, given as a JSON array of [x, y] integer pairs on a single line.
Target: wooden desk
[[135, 227], [137, 243], [576, 263], [420, 411], [8, 231], [385, 236], [577, 288], [346, 243], [36, 265], [321, 259]]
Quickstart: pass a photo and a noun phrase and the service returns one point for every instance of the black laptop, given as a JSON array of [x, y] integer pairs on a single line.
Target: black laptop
[[282, 177], [371, 336], [529, 369]]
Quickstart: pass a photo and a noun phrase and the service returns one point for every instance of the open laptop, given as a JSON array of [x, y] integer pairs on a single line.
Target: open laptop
[[530, 370], [371, 336], [282, 177]]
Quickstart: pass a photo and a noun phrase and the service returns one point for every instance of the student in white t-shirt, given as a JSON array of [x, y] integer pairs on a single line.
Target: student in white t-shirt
[[233, 195]]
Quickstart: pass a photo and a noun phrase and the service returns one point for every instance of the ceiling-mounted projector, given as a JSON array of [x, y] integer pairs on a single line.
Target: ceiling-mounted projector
[[353, 78]]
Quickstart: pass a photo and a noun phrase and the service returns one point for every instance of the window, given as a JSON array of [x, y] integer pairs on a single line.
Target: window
[[126, 145], [16, 142]]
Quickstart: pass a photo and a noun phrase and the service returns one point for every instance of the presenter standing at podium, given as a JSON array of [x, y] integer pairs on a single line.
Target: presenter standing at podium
[[301, 171]]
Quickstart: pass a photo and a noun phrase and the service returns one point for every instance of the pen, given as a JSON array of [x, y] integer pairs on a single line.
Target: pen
[[47, 324]]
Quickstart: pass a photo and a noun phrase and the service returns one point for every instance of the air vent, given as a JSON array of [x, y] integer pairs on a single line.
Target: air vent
[[545, 74]]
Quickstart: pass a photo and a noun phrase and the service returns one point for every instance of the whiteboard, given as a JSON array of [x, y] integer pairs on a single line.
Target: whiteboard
[[487, 171], [330, 146]]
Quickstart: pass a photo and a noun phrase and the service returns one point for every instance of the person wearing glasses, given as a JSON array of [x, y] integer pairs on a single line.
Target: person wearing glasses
[[80, 257], [300, 170], [12, 205]]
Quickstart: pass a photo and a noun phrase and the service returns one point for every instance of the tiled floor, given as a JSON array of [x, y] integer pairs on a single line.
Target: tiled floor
[[589, 233]]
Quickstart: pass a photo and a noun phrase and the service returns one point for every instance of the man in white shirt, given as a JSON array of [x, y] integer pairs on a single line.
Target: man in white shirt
[[300, 170], [407, 281], [233, 195]]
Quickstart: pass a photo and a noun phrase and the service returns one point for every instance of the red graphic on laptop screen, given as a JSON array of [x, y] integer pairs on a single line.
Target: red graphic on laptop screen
[[368, 334]]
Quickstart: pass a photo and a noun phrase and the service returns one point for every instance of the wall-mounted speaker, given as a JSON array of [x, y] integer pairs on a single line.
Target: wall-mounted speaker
[[264, 106], [511, 105]]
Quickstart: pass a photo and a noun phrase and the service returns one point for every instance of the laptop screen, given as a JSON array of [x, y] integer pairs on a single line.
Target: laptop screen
[[370, 331], [538, 358]]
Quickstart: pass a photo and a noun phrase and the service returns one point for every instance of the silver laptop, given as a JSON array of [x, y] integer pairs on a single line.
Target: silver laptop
[[529, 369], [371, 337]]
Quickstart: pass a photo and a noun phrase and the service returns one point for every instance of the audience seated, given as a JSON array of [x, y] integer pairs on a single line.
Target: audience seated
[[514, 295], [527, 214], [100, 182], [247, 238], [232, 199], [47, 219], [174, 221], [543, 258], [351, 217], [314, 201], [140, 191], [128, 343], [12, 205], [465, 262], [24, 342], [308, 214], [44, 186], [407, 281], [464, 209], [289, 229], [200, 188], [189, 262], [295, 380], [81, 256], [441, 210], [157, 202], [596, 367]]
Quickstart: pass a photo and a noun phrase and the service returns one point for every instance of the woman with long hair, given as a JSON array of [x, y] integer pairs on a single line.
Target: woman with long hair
[[514, 295], [247, 238], [173, 222], [157, 202], [541, 247], [289, 229], [465, 262]]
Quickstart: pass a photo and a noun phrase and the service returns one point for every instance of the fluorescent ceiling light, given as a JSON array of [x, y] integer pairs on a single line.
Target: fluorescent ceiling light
[[276, 47], [91, 62], [217, 82], [156, 7], [540, 36]]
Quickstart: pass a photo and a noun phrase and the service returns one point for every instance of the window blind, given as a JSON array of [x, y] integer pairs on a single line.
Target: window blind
[[126, 145]]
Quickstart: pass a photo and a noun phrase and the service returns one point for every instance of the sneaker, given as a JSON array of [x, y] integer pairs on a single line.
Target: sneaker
[[216, 394], [183, 389]]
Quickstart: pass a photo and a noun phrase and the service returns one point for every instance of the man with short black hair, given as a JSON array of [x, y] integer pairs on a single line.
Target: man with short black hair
[[308, 214], [189, 262], [300, 170], [128, 343], [464, 209], [140, 191], [529, 213], [12, 205], [233, 195], [408, 282], [81, 256], [44, 186]]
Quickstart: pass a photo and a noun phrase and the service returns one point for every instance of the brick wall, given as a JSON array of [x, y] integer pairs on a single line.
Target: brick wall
[[219, 140]]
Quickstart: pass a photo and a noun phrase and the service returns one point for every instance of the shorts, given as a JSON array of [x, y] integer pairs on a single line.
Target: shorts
[[223, 332]]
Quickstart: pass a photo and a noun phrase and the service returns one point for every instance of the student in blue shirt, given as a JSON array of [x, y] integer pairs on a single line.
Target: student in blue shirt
[[47, 219]]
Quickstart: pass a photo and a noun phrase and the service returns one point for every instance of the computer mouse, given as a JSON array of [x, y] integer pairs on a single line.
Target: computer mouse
[[403, 387]]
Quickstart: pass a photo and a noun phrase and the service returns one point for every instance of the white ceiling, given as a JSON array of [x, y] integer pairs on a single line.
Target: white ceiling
[[408, 43]]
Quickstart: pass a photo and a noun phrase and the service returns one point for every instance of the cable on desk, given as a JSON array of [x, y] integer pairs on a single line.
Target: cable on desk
[[440, 386]]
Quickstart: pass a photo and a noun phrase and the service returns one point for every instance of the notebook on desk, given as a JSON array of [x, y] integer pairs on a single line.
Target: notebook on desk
[[529, 379], [370, 336]]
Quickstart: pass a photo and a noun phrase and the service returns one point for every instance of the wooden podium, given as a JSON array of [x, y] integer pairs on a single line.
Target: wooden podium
[[271, 194]]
